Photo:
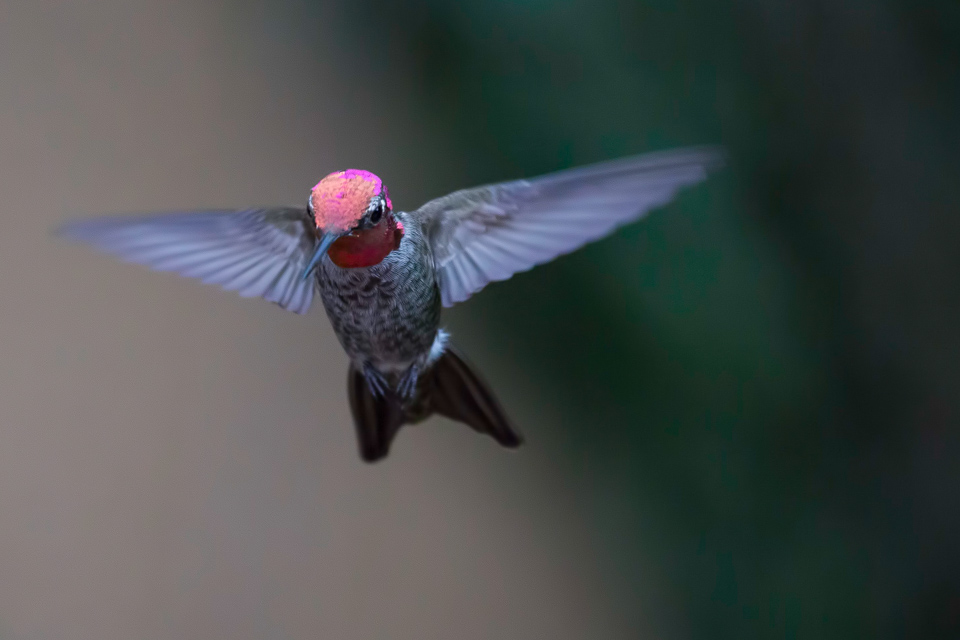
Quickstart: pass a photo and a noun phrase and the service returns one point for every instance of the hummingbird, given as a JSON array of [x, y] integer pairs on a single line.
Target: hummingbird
[[383, 275]]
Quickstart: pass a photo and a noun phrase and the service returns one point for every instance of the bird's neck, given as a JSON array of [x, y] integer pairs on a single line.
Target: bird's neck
[[367, 247]]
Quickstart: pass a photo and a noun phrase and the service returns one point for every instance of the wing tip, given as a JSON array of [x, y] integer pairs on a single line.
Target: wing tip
[[716, 157], [711, 157]]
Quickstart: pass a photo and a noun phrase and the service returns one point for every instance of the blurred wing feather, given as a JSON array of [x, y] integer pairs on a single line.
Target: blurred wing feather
[[489, 233], [257, 252]]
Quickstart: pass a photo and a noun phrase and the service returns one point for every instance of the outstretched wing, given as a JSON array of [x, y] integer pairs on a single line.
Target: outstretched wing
[[257, 252], [491, 232]]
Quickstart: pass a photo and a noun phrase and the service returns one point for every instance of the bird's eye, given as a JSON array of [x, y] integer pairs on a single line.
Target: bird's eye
[[377, 212]]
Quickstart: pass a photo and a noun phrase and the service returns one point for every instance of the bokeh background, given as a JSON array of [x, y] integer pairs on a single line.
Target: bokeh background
[[742, 414]]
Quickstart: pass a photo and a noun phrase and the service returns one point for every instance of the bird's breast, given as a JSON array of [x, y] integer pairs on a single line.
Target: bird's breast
[[389, 312]]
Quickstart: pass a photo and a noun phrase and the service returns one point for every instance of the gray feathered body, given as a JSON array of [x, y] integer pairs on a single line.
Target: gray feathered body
[[387, 315]]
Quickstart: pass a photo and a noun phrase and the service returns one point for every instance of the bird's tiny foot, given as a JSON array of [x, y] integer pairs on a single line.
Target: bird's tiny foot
[[375, 380], [408, 383]]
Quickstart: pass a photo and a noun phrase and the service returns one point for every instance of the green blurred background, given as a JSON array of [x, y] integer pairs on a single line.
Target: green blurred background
[[757, 388], [741, 414]]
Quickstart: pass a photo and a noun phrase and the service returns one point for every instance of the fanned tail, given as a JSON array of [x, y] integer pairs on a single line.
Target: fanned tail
[[450, 387]]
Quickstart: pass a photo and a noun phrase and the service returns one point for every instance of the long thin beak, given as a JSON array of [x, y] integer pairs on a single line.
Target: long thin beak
[[325, 241]]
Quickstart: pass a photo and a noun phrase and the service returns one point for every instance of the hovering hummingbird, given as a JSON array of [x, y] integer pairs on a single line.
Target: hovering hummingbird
[[383, 275]]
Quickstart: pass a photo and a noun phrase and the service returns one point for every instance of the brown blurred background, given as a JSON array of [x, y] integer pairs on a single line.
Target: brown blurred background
[[176, 462], [741, 414]]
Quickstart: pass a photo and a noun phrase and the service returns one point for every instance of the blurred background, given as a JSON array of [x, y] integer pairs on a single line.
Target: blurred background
[[741, 414]]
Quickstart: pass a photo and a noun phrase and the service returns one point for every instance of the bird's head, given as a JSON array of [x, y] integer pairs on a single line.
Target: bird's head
[[354, 221]]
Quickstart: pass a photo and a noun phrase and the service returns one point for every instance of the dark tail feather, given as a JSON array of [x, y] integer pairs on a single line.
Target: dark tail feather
[[459, 393], [449, 387], [377, 419]]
